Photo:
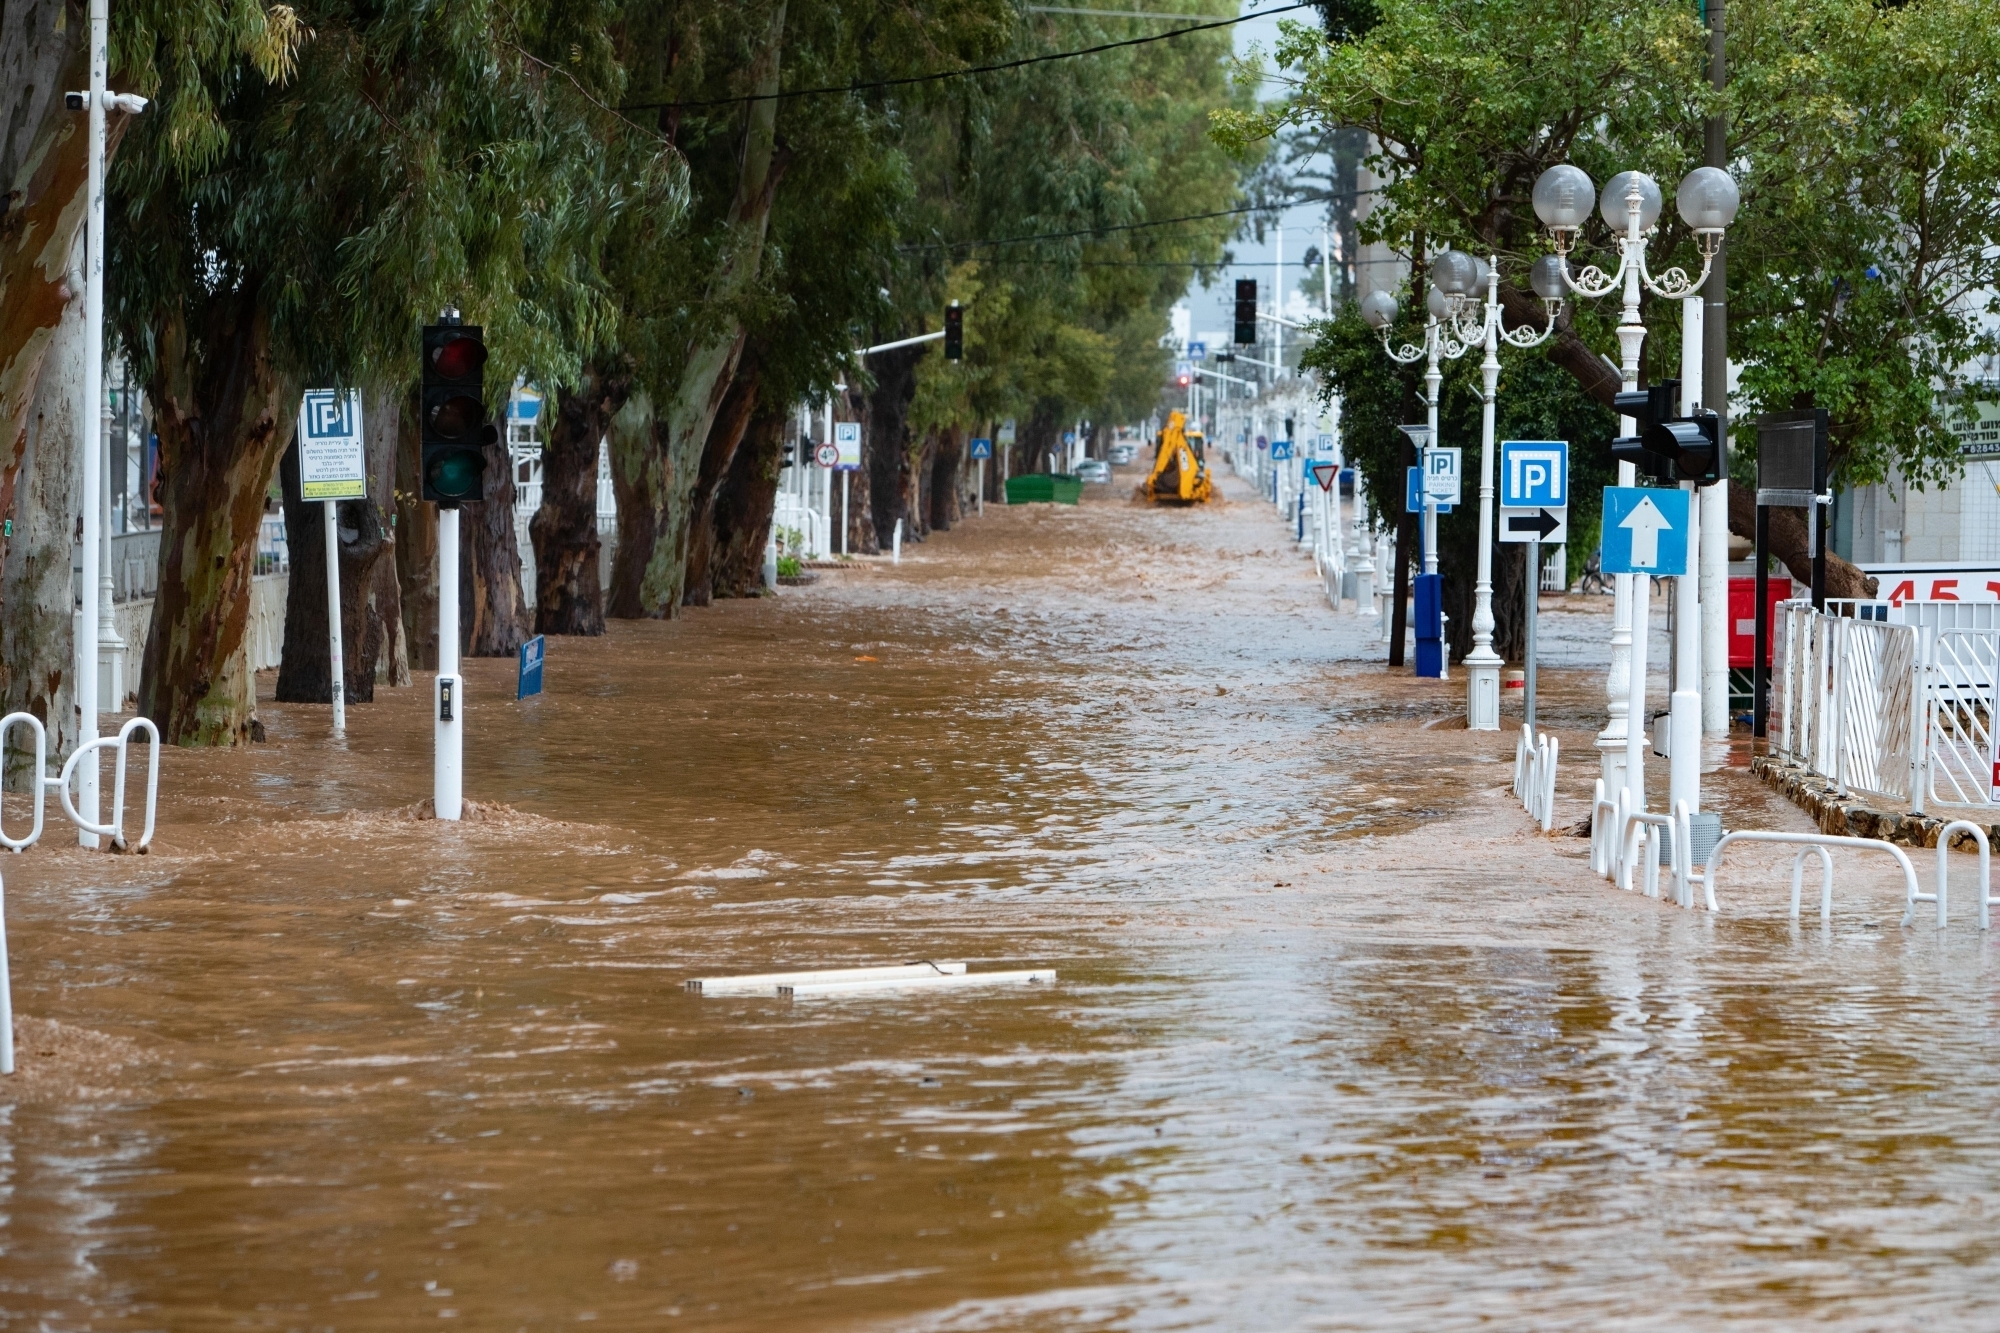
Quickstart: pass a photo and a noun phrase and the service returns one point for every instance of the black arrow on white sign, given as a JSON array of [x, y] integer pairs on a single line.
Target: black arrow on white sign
[[1541, 523]]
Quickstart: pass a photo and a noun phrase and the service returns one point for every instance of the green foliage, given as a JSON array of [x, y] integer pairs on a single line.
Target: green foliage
[[1863, 137]]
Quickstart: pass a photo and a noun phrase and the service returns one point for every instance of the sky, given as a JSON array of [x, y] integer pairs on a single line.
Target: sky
[[1213, 308]]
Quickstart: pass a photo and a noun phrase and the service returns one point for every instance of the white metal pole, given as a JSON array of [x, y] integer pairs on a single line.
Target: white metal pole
[[1635, 697], [1482, 676], [1684, 708], [1278, 305], [980, 500], [1612, 748], [333, 618], [90, 420], [845, 478], [110, 648], [1714, 584], [448, 779]]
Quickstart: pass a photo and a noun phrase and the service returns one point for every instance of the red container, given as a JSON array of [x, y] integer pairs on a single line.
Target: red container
[[1743, 616]]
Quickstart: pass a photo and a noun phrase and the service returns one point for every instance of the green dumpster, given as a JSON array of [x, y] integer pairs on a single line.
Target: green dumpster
[[1044, 488]]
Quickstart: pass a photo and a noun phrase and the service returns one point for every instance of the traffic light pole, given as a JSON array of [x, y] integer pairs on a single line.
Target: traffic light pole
[[448, 774], [1684, 705]]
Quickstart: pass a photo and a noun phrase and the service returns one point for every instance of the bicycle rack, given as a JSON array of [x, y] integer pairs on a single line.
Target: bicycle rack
[[122, 743]]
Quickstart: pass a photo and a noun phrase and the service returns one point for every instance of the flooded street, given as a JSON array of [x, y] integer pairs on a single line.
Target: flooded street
[[1340, 1040]]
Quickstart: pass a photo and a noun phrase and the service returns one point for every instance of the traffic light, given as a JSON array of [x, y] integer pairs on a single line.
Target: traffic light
[[1670, 447], [455, 429], [1183, 378], [954, 332], [1246, 310]]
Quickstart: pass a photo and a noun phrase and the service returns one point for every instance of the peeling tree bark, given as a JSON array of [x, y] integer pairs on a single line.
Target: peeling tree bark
[[218, 408], [382, 408], [944, 485], [38, 630], [305, 672], [493, 608], [569, 599], [665, 493], [725, 435], [416, 541], [744, 506]]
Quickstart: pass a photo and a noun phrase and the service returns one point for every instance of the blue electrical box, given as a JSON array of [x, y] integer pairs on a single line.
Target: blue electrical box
[[1430, 625]]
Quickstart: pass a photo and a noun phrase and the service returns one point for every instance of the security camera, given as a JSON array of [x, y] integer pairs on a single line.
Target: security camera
[[130, 103], [75, 101]]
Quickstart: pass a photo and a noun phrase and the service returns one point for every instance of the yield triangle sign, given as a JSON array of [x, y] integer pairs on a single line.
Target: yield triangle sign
[[1325, 473]]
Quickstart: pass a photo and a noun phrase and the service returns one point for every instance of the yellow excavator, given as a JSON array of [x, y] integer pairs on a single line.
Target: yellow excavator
[[1180, 472]]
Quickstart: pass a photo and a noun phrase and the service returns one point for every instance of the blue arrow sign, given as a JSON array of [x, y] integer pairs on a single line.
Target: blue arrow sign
[[1534, 474], [1413, 497], [1645, 530], [982, 448]]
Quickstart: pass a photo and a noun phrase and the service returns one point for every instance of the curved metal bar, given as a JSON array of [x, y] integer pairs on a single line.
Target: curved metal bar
[[1985, 869], [1526, 336], [39, 788], [152, 778], [1406, 355], [1825, 880], [69, 808], [1593, 281], [1673, 284], [1713, 874], [6, 982]]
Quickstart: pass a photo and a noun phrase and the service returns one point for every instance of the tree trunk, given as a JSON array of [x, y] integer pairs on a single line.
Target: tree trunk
[[38, 629], [944, 478], [42, 169], [862, 538], [416, 542], [1790, 543], [493, 609], [305, 671], [664, 492], [382, 412], [887, 435], [569, 596], [219, 409], [743, 508], [725, 436]]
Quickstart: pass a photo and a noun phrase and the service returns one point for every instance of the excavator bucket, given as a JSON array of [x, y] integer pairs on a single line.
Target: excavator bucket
[[1180, 469]]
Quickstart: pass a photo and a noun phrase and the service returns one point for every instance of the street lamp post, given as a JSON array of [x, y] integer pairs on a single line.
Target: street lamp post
[[1459, 276], [1631, 206], [1379, 309]]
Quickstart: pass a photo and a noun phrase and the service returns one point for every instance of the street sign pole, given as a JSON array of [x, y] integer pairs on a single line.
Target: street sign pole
[[333, 617], [448, 777], [980, 500], [845, 478], [1534, 586]]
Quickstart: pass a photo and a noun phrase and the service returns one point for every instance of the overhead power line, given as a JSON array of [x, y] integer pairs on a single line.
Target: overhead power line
[[844, 89]]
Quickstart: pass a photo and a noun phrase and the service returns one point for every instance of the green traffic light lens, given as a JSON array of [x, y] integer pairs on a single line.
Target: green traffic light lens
[[456, 473]]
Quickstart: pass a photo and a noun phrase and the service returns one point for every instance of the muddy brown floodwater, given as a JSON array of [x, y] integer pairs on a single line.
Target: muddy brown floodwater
[[1339, 1041]]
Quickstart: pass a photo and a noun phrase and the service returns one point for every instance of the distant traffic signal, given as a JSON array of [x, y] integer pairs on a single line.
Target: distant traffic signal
[[1670, 447], [1246, 310], [954, 332], [1183, 379], [455, 429]]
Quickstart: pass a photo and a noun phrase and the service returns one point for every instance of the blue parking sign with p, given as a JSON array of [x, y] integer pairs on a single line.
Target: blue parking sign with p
[[1534, 474]]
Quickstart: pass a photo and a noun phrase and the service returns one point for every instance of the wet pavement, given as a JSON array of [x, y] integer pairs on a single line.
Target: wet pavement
[[1340, 1041]]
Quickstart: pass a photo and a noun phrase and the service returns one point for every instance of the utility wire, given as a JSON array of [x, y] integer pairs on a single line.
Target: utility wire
[[961, 73]]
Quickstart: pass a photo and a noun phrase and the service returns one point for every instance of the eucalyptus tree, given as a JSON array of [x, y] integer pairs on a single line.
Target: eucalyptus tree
[[410, 157]]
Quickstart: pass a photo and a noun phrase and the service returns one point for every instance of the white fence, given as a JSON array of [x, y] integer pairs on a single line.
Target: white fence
[[1895, 702]]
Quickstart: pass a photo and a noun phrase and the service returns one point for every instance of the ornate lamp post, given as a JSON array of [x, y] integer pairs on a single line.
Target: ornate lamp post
[[1457, 280], [1460, 277], [1631, 205]]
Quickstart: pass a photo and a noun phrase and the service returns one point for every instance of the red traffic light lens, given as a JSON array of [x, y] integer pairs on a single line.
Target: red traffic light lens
[[458, 416], [458, 358]]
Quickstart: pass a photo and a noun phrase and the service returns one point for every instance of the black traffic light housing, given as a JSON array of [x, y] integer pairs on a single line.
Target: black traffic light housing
[[1670, 447], [1246, 310], [954, 332], [455, 427]]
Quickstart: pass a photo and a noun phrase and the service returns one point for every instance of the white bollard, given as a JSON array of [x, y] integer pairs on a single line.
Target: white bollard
[[896, 548]]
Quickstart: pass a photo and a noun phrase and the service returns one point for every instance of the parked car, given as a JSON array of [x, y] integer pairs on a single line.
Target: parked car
[[1094, 470], [1121, 454]]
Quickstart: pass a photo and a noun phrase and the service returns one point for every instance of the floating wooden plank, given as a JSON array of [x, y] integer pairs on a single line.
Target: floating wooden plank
[[767, 983]]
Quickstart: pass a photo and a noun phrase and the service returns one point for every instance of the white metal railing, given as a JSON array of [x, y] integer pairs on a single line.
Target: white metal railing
[[121, 745], [800, 529], [1896, 702], [1535, 776]]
